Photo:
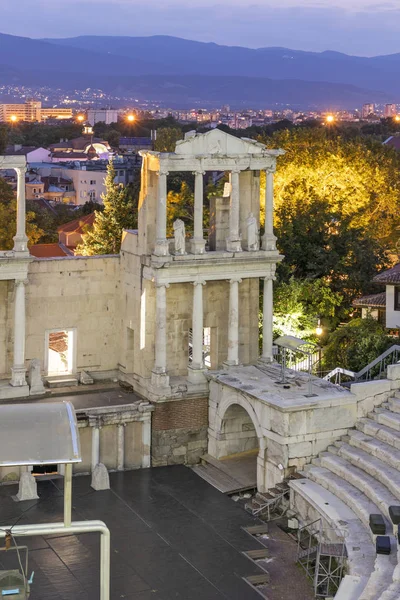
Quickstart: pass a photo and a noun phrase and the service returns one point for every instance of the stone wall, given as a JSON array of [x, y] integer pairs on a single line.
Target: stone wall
[[80, 293], [179, 432]]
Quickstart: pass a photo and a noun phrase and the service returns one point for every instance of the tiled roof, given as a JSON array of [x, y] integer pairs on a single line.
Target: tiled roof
[[49, 250], [77, 225], [22, 151], [374, 301], [390, 276]]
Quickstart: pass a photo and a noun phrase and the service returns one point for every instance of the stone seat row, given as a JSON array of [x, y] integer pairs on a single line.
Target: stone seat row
[[362, 471]]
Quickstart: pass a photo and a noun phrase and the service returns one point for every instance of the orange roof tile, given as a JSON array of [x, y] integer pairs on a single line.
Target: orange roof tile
[[77, 225], [49, 250]]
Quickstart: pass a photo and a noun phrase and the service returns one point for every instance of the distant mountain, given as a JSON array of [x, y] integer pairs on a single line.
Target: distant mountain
[[184, 73], [180, 56]]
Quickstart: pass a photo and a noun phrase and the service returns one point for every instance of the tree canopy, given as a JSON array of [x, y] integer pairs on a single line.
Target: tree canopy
[[120, 212], [337, 206], [8, 219]]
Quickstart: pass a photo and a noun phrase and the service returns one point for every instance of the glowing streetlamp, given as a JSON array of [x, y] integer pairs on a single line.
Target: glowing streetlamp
[[330, 119], [13, 118], [130, 118], [319, 329], [397, 118], [80, 118]]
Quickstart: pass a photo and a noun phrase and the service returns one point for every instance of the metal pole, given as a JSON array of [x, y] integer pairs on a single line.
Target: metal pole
[[68, 495], [76, 527]]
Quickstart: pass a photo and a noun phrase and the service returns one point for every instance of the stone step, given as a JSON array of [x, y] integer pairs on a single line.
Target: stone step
[[394, 404], [386, 417], [382, 577], [60, 382], [338, 443], [382, 472], [333, 449], [359, 503], [373, 489], [380, 432], [385, 452], [359, 545]]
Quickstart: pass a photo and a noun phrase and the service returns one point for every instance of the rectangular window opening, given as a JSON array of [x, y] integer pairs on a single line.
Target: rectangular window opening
[[60, 352], [206, 347]]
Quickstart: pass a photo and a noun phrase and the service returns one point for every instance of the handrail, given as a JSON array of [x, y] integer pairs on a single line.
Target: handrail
[[393, 350]]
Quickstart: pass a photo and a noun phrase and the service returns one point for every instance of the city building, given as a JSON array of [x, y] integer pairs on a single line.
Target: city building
[[134, 144], [367, 110], [102, 115], [390, 110], [33, 111], [31, 153], [86, 147]]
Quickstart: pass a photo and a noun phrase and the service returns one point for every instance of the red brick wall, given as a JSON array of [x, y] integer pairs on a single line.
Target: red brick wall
[[181, 414]]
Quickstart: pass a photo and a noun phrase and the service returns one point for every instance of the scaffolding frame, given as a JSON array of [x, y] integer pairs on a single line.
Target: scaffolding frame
[[324, 562]]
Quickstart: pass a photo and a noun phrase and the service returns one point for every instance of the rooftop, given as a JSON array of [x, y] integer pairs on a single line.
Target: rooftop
[[373, 300], [49, 250], [78, 225], [390, 276]]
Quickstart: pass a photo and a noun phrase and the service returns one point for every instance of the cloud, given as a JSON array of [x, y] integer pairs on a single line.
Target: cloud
[[353, 27]]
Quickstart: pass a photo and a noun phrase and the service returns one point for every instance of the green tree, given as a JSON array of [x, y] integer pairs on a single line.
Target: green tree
[[356, 344], [3, 138], [299, 304], [119, 213], [167, 138]]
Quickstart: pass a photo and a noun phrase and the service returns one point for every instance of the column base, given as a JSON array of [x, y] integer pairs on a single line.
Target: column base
[[21, 244], [269, 242], [233, 245], [18, 376], [230, 363], [161, 248], [197, 246], [266, 359], [159, 379], [196, 375]]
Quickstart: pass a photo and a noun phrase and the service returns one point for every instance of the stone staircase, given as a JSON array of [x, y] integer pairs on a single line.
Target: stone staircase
[[362, 472]]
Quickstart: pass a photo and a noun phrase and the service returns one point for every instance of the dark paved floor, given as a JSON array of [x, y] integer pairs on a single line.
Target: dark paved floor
[[173, 536]]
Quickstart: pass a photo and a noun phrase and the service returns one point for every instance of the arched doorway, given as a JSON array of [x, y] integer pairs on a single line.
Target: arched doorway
[[238, 442]]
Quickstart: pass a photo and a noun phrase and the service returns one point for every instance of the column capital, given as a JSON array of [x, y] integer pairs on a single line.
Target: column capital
[[162, 171], [200, 282], [270, 277], [271, 170], [236, 170], [161, 284], [199, 172], [19, 282], [235, 280], [20, 170]]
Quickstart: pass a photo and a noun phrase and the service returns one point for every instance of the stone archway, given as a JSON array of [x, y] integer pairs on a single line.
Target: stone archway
[[236, 430]]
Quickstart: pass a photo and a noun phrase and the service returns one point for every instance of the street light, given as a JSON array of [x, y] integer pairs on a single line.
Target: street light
[[130, 118], [13, 118], [319, 329], [80, 118], [397, 118], [330, 119]]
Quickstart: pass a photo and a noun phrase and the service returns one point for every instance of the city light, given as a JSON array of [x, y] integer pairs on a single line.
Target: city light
[[330, 119], [319, 330], [130, 118], [80, 118], [13, 118], [397, 118]]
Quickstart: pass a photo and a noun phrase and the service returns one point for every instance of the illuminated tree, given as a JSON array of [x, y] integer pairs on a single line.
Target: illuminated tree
[[119, 213], [8, 219]]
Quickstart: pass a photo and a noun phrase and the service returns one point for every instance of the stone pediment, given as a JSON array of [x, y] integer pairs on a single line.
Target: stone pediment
[[218, 143]]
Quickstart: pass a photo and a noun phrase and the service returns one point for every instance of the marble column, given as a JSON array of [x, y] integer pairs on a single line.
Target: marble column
[[20, 238], [198, 243], [233, 243], [269, 240], [268, 312], [120, 447], [195, 370], [18, 369], [233, 324], [146, 442], [161, 248], [95, 447], [159, 374]]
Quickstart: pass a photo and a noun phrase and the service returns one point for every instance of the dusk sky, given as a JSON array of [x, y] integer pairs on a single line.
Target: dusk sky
[[351, 26]]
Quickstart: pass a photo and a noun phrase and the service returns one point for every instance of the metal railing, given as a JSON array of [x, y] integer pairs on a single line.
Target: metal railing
[[374, 370], [323, 561]]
